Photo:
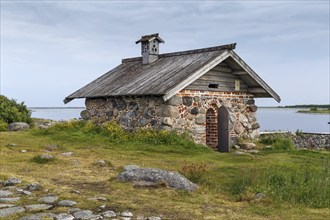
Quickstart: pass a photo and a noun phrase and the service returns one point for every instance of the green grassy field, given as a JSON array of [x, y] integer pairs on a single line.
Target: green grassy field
[[296, 183]]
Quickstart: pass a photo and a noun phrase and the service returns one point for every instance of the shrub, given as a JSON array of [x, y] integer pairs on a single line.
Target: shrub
[[115, 131], [38, 159], [278, 143], [3, 125], [11, 111], [283, 144], [268, 140], [194, 171]]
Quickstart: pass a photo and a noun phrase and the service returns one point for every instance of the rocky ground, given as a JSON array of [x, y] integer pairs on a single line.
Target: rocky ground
[[12, 192]]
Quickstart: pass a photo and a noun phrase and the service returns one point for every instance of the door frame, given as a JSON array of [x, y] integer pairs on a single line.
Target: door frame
[[223, 129]]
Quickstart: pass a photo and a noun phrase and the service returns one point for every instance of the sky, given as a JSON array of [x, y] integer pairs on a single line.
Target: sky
[[49, 49]]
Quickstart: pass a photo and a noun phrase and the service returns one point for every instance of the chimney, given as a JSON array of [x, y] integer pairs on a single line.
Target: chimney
[[150, 47]]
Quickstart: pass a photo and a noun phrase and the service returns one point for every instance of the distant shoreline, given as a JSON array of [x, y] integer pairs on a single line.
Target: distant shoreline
[[325, 106], [56, 107]]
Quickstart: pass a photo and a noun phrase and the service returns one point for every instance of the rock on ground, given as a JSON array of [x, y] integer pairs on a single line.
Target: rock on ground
[[6, 206], [154, 218], [172, 179], [64, 216], [247, 146], [9, 200], [109, 214], [18, 126], [10, 211], [127, 214], [46, 156], [39, 216], [67, 203], [38, 207], [83, 214], [5, 193], [48, 199], [33, 186], [12, 181]]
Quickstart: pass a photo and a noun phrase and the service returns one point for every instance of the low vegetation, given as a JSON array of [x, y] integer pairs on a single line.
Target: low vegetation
[[315, 110], [276, 183], [11, 111], [306, 106]]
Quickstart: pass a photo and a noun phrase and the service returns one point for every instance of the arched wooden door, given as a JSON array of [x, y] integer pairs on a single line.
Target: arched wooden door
[[223, 129], [211, 128]]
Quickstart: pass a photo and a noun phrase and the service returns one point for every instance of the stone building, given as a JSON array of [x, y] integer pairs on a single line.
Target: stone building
[[208, 92]]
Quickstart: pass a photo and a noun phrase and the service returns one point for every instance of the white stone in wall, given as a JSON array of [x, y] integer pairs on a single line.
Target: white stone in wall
[[243, 119], [168, 121]]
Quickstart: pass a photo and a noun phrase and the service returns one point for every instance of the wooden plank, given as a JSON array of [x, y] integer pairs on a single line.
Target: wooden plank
[[222, 69], [220, 89], [223, 64], [220, 74], [217, 80], [257, 90], [201, 82], [240, 72]]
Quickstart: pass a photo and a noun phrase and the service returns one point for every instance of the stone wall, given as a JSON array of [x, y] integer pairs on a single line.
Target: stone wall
[[185, 111], [304, 140]]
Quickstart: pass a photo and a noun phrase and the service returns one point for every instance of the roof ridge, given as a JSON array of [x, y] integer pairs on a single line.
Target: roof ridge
[[179, 53], [201, 50]]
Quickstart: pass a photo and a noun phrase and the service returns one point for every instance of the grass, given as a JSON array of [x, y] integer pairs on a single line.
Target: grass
[[296, 183]]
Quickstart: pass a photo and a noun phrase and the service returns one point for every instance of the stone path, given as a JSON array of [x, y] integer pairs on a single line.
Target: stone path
[[12, 191]]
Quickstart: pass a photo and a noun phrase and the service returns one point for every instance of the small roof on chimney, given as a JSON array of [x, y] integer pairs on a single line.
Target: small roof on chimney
[[149, 38]]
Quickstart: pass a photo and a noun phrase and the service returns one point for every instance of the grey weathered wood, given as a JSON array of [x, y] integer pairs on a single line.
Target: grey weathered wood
[[220, 74], [220, 89], [225, 81], [257, 90], [223, 69], [240, 72], [171, 73], [206, 83], [223, 129], [196, 75]]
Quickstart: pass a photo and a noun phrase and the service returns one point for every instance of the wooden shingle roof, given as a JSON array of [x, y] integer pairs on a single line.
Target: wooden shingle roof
[[166, 76]]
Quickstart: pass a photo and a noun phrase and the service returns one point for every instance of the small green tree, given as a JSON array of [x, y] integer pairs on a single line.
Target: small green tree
[[11, 111]]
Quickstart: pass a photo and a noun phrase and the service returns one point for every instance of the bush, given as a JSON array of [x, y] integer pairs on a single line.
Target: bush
[[11, 111], [115, 131], [278, 143], [38, 159], [283, 144], [194, 171], [3, 125]]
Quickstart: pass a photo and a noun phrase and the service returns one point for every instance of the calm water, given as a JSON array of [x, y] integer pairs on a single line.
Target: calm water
[[269, 118], [290, 120]]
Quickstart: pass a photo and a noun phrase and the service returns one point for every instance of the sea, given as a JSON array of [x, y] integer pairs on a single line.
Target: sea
[[270, 119]]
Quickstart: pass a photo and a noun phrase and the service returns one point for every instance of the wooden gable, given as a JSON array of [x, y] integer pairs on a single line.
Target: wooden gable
[[220, 78]]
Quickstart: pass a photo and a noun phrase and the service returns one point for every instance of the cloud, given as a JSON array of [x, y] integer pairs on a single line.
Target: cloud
[[65, 44]]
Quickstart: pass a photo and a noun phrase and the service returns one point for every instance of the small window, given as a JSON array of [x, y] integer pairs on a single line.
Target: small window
[[213, 86]]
